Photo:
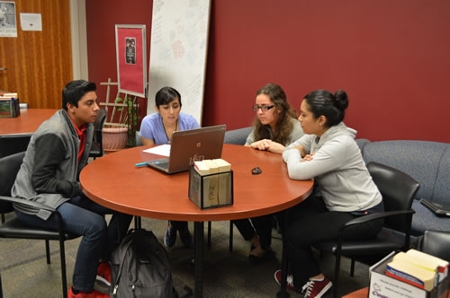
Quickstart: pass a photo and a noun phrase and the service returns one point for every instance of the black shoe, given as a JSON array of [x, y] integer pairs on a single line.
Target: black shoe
[[268, 255]]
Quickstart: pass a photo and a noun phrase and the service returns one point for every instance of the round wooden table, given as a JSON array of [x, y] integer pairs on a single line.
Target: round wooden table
[[115, 182], [27, 123]]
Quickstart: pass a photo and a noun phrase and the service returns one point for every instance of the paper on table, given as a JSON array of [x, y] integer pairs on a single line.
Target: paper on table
[[163, 150]]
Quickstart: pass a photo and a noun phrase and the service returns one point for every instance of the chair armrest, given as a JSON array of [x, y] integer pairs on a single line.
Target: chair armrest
[[373, 216], [31, 205]]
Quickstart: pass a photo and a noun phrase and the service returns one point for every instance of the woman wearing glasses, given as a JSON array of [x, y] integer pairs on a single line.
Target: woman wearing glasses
[[274, 127]]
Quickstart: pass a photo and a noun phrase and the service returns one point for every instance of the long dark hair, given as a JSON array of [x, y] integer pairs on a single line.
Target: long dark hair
[[284, 126]]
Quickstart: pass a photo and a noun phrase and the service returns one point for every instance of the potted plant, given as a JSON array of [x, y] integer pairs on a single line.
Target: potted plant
[[120, 132]]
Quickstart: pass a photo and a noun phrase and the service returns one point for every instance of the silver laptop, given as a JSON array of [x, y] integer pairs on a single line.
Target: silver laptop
[[190, 145]]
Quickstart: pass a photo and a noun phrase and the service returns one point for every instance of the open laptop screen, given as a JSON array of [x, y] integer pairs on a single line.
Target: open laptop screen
[[190, 145]]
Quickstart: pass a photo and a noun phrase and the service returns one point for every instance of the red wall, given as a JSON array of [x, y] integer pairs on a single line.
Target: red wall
[[391, 56]]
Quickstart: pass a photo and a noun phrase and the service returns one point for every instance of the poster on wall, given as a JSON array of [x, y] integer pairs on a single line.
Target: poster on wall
[[131, 56], [8, 24]]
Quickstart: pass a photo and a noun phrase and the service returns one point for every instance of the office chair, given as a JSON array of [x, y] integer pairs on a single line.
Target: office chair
[[97, 144], [436, 243], [398, 190], [10, 144], [13, 228]]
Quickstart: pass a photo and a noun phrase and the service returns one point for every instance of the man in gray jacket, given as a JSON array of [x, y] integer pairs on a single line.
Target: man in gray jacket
[[57, 153]]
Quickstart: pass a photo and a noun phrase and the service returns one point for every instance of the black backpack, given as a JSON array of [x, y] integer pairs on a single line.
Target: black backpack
[[140, 267]]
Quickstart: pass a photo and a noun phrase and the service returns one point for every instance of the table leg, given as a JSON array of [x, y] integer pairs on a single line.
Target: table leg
[[284, 260], [198, 246]]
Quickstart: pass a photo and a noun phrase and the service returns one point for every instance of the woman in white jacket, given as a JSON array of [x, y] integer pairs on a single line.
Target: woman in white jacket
[[343, 190]]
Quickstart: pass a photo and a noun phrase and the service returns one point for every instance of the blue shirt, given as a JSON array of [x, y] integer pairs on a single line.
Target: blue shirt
[[152, 127]]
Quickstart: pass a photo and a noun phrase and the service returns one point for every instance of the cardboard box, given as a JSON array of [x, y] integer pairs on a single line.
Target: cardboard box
[[385, 286], [211, 190]]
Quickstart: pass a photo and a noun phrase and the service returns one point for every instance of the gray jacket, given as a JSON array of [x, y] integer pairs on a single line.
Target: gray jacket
[[50, 169]]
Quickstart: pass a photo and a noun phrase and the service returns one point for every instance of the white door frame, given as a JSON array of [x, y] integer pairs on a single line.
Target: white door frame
[[79, 39]]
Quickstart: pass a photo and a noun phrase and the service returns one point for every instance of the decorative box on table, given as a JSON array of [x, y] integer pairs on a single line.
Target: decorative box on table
[[9, 105], [211, 183]]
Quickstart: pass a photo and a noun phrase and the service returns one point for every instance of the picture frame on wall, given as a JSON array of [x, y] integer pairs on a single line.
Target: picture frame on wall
[[131, 58]]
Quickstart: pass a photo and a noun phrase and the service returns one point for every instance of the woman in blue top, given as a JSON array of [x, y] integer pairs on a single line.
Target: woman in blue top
[[157, 129]]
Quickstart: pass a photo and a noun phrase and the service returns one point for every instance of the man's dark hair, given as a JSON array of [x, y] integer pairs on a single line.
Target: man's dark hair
[[74, 91]]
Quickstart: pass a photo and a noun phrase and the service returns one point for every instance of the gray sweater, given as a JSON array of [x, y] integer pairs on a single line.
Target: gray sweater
[[50, 169], [337, 167]]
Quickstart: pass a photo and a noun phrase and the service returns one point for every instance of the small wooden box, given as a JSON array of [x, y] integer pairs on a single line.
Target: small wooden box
[[211, 190]]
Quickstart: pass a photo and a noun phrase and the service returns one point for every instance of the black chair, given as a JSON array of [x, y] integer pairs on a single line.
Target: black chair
[[97, 144], [13, 228], [436, 243], [398, 190], [10, 144]]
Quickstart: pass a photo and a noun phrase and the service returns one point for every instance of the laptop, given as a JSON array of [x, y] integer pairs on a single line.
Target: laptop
[[190, 145], [437, 208]]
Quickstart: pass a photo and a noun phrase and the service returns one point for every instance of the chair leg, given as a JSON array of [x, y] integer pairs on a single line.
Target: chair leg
[[209, 234], [230, 246], [62, 253], [3, 220], [352, 268], [337, 268], [1, 288], [47, 251]]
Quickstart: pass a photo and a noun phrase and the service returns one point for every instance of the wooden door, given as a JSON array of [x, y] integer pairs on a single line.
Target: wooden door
[[39, 63]]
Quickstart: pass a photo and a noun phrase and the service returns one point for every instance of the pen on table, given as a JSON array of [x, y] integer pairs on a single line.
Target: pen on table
[[141, 164]]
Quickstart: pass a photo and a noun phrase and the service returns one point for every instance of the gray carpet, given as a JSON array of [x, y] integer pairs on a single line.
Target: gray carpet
[[226, 274]]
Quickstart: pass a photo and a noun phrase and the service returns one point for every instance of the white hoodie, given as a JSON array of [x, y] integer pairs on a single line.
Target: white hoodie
[[337, 167]]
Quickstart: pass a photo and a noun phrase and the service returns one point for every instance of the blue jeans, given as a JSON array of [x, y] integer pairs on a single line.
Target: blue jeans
[[83, 217]]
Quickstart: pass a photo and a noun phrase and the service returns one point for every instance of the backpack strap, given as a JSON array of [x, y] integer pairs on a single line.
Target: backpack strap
[[124, 247]]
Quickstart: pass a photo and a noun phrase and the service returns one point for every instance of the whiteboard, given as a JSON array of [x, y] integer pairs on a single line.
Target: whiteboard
[[178, 49]]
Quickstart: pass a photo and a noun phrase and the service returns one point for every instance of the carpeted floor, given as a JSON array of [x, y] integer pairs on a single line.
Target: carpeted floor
[[225, 274]]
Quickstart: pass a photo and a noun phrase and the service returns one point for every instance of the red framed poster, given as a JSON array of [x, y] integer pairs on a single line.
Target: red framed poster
[[131, 56]]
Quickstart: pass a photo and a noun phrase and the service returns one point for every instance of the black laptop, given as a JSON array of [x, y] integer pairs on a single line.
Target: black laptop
[[438, 208], [190, 145]]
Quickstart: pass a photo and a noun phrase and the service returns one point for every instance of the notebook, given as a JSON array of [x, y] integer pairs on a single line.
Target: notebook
[[190, 145], [437, 208]]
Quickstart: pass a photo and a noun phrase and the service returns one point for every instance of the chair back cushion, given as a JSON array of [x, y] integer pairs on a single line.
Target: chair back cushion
[[9, 167], [437, 243], [10, 144], [398, 190]]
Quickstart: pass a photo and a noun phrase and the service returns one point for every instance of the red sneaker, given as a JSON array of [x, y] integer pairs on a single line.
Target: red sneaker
[[289, 281], [104, 275], [93, 294], [317, 288]]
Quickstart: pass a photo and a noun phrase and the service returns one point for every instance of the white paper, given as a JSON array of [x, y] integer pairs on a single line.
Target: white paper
[[163, 150], [31, 21]]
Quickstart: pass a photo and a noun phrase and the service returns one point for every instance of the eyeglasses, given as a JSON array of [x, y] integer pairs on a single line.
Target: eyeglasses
[[263, 108]]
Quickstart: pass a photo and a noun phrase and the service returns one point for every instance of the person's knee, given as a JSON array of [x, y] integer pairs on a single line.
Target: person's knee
[[96, 227]]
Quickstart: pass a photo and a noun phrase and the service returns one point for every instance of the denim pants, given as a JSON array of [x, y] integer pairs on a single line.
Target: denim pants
[[85, 218]]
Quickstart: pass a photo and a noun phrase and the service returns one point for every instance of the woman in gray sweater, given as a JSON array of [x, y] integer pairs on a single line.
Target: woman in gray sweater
[[343, 190]]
